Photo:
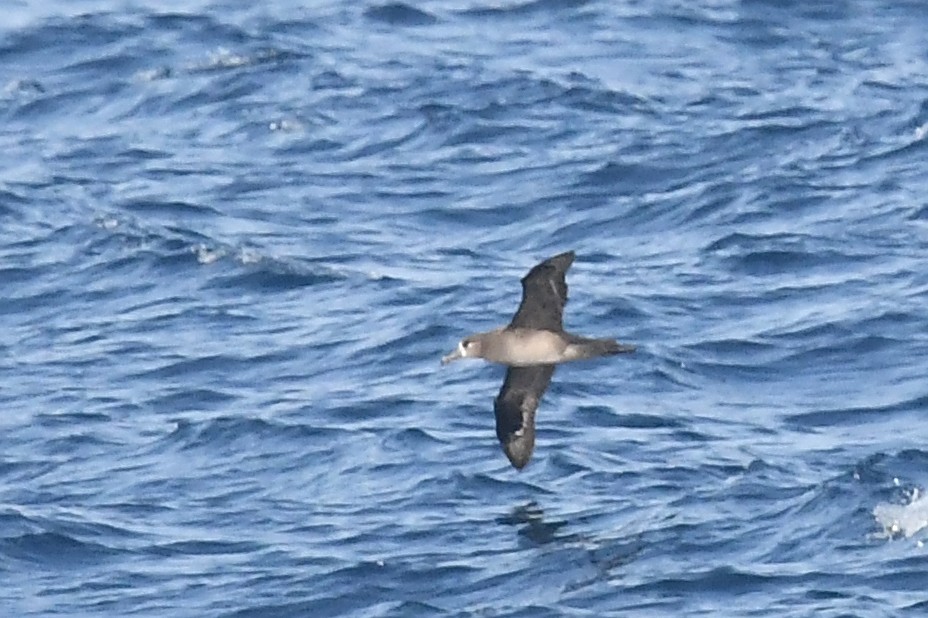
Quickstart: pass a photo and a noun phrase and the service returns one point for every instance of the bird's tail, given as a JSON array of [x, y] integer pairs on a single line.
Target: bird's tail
[[580, 347]]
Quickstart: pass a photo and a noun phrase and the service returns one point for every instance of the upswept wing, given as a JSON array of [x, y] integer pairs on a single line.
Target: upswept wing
[[544, 294]]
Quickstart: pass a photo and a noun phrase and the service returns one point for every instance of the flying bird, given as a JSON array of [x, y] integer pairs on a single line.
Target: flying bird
[[531, 346]]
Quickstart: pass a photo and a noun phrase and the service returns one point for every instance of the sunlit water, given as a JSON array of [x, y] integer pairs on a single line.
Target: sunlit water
[[235, 243]]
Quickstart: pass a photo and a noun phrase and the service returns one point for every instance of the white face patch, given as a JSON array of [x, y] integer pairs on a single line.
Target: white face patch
[[461, 349]]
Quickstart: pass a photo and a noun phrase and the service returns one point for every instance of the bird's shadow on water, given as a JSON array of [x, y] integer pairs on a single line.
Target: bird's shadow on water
[[594, 559], [529, 518]]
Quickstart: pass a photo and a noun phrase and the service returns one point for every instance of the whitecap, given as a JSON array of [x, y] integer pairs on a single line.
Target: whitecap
[[903, 519], [205, 255]]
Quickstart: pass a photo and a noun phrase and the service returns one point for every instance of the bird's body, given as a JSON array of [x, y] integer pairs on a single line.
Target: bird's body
[[525, 347], [531, 346]]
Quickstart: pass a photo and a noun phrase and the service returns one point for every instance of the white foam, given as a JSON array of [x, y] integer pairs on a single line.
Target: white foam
[[225, 59], [205, 255], [903, 519], [247, 256], [108, 222], [285, 125], [150, 75], [921, 131]]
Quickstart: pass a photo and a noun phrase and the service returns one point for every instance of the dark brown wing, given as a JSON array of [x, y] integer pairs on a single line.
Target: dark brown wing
[[515, 410], [544, 294]]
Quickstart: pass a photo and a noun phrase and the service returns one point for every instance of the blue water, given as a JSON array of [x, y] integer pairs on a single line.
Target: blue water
[[235, 243]]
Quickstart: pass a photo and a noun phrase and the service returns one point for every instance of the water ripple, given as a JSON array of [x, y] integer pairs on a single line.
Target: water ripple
[[236, 243]]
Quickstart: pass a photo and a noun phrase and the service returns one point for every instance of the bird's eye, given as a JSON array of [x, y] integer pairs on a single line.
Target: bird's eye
[[467, 343]]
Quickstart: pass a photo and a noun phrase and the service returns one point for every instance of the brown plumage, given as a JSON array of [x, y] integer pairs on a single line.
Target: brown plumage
[[531, 346]]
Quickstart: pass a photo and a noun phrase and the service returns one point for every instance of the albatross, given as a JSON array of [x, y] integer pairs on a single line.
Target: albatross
[[531, 346]]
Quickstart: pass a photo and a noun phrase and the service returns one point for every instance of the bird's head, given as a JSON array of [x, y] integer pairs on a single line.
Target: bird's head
[[468, 347]]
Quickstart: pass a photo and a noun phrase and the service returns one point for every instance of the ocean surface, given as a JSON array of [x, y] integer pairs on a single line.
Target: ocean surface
[[236, 240]]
